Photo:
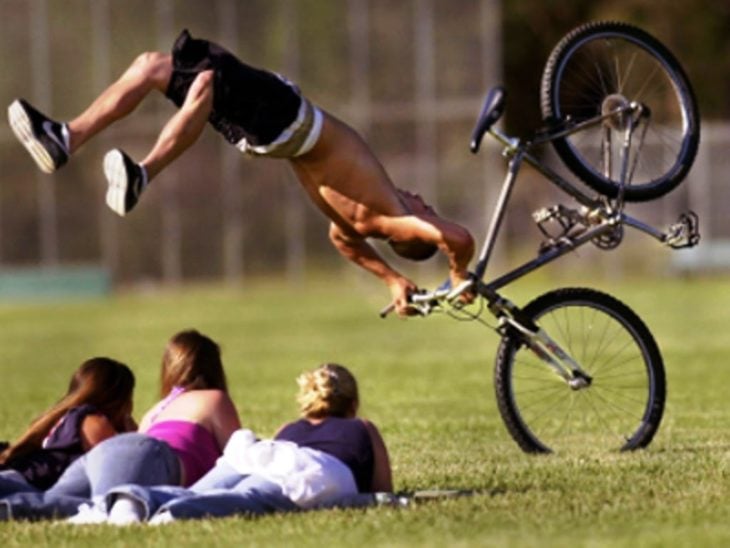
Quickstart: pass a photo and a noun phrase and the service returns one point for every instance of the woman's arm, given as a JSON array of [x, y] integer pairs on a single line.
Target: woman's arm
[[95, 429], [225, 419], [382, 474]]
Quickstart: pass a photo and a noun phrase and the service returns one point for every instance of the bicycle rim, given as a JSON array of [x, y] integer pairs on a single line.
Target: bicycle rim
[[606, 65], [622, 407]]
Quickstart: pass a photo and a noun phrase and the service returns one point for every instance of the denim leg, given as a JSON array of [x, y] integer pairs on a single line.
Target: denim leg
[[39, 505], [14, 482], [131, 458], [221, 476], [253, 495], [150, 497], [74, 481], [61, 500], [125, 458]]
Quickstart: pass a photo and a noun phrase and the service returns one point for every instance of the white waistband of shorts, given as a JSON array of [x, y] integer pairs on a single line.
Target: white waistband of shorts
[[312, 137], [314, 133]]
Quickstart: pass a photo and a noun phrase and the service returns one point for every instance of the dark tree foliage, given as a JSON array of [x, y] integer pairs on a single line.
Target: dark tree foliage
[[696, 32]]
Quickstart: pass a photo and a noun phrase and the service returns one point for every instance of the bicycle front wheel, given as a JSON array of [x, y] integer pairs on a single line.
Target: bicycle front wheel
[[599, 67], [621, 408]]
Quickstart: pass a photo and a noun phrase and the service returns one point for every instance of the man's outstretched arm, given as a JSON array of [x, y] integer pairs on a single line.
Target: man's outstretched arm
[[453, 240], [362, 254]]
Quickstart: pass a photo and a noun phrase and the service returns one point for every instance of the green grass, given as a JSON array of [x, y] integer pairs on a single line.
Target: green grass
[[427, 384]]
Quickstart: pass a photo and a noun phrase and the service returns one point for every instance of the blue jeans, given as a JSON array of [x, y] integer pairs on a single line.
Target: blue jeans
[[221, 492], [13, 482], [126, 458]]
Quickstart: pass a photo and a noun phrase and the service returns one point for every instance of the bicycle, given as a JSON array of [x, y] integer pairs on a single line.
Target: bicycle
[[576, 365]]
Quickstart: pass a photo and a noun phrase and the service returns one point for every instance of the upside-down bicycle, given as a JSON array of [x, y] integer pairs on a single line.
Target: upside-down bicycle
[[575, 366]]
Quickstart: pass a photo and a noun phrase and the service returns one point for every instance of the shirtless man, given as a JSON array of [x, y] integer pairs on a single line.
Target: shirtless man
[[262, 114]]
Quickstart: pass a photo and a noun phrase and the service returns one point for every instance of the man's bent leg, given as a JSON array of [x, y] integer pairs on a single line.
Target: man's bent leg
[[184, 128], [149, 71], [128, 179]]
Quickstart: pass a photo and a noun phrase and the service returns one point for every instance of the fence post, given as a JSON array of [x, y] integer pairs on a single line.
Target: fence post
[[171, 226], [425, 67], [100, 78], [295, 218], [41, 86], [232, 203]]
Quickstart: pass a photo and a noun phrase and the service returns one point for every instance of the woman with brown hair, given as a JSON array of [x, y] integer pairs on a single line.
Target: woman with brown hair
[[329, 456], [96, 406], [178, 441]]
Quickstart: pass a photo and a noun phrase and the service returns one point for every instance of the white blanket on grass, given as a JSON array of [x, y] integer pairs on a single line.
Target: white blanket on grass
[[307, 476]]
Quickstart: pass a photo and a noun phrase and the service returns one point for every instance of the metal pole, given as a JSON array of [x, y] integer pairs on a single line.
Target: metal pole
[[233, 224], [171, 226], [425, 66], [41, 89], [492, 164], [100, 77], [295, 219], [359, 30]]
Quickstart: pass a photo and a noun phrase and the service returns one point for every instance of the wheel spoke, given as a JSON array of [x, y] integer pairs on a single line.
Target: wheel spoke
[[618, 408]]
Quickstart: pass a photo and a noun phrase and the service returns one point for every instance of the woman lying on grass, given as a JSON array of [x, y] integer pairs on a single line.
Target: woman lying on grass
[[327, 456], [97, 406], [178, 441]]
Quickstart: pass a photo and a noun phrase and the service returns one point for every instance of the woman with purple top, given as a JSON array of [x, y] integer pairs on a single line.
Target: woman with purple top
[[96, 406]]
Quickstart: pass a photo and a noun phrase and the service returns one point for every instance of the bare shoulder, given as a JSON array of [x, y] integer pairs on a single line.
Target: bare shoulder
[[208, 397], [95, 420], [95, 429]]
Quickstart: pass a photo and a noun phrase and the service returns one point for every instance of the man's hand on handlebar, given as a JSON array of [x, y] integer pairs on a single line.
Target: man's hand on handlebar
[[401, 290], [420, 302], [462, 287]]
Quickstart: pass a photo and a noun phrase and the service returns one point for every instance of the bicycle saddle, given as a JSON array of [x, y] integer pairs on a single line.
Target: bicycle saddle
[[491, 112]]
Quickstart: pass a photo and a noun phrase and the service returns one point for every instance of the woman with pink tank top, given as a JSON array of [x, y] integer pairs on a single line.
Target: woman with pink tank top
[[178, 441]]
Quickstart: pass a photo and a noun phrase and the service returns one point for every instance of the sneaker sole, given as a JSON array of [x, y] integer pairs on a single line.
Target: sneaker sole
[[116, 176], [23, 129]]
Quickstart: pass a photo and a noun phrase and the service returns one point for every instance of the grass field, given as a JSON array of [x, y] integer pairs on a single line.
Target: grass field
[[427, 384]]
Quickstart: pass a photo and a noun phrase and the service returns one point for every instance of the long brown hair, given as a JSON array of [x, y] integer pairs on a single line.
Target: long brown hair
[[192, 361], [102, 382]]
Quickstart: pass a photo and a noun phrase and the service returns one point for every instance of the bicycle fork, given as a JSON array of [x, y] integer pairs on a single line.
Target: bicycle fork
[[541, 344]]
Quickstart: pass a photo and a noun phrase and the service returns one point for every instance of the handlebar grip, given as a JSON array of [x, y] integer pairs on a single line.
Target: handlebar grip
[[387, 310]]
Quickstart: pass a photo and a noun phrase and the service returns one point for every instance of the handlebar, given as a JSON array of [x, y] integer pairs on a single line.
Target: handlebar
[[424, 302]]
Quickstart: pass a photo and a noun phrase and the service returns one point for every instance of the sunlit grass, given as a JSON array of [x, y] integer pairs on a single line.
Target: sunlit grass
[[427, 383]]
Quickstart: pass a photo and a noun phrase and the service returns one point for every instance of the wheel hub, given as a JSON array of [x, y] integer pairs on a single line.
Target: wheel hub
[[616, 120]]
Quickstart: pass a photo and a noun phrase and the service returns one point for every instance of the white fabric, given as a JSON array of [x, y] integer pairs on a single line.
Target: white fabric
[[90, 513], [312, 137], [307, 476]]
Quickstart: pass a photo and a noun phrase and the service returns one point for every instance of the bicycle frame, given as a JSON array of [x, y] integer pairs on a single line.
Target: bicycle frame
[[610, 215], [600, 217]]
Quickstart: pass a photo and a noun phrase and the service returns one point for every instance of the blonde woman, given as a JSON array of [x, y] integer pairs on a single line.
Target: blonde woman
[[325, 456], [328, 401]]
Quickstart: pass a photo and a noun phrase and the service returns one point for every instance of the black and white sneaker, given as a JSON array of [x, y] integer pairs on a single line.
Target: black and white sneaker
[[126, 181], [42, 137]]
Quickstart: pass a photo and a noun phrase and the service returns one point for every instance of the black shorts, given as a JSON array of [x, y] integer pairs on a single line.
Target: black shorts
[[250, 106]]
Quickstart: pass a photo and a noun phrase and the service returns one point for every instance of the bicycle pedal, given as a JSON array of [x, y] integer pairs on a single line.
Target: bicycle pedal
[[685, 232]]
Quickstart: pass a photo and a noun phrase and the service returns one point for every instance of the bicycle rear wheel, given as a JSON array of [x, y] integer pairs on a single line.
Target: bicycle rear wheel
[[600, 66], [622, 407]]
